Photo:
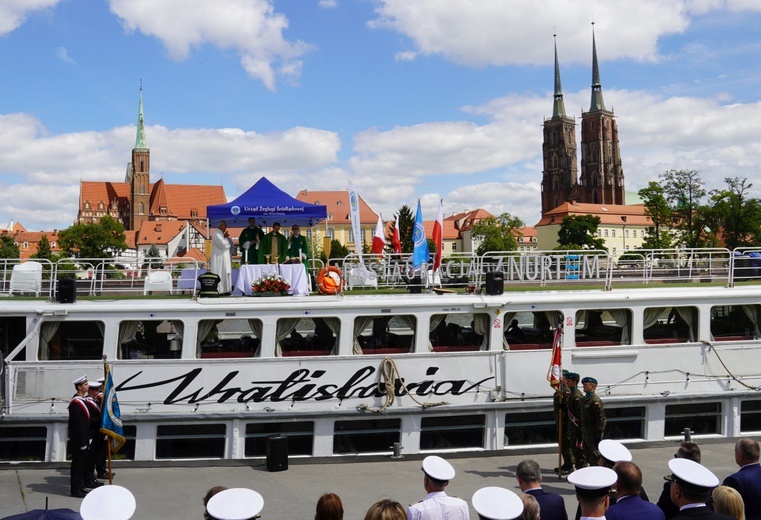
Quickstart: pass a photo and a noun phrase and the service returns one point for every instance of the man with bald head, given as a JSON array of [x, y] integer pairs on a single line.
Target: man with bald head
[[747, 481], [629, 505]]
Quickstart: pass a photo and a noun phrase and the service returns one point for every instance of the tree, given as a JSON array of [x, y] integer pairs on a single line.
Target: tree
[[94, 240], [337, 250], [497, 234], [580, 232], [43, 248], [8, 247], [684, 191], [657, 208], [406, 225], [736, 216], [152, 259]]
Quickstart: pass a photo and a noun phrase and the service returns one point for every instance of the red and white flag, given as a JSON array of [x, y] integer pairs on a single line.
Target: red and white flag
[[396, 238], [556, 365], [438, 237], [379, 240]]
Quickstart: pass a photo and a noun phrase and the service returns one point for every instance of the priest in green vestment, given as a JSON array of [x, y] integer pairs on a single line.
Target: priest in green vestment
[[249, 241], [273, 246], [297, 246]]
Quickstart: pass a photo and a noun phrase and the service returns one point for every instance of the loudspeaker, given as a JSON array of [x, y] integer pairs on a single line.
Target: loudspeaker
[[495, 282], [416, 285], [277, 453], [67, 290]]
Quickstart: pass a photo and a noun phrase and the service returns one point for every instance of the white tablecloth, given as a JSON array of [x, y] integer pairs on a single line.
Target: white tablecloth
[[295, 273]]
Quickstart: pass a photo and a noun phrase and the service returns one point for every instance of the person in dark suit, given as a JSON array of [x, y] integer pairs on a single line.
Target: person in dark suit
[[629, 504], [691, 486], [688, 450], [79, 438], [551, 505], [747, 481]]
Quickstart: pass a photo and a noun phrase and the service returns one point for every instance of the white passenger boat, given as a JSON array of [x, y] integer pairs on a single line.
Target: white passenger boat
[[367, 374]]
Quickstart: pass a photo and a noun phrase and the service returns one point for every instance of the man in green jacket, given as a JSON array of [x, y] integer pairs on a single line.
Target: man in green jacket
[[592, 420], [249, 241], [273, 246], [297, 246]]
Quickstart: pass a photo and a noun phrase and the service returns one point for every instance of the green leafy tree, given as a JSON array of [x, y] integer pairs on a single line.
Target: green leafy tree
[[737, 216], [8, 247], [94, 240], [43, 248], [152, 259], [580, 232], [406, 225], [684, 191], [657, 208], [337, 250], [497, 233]]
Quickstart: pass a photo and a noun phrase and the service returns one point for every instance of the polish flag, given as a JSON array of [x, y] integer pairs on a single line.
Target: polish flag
[[379, 240], [556, 364], [396, 238], [438, 237]]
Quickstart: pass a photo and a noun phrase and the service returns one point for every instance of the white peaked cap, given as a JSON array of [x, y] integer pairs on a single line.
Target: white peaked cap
[[111, 502], [614, 451], [496, 503], [235, 504], [438, 468], [692, 473]]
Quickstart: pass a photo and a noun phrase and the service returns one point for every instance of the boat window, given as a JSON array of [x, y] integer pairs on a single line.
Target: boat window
[[150, 339], [750, 416], [300, 437], [459, 332], [625, 423], [12, 332], [70, 340], [385, 334], [603, 327], [366, 436], [233, 338], [307, 336], [451, 432], [531, 330], [735, 322], [25, 443], [530, 428], [701, 418], [670, 324], [190, 441]]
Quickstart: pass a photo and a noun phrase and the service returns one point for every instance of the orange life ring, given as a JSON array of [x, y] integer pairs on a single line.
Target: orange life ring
[[330, 280]]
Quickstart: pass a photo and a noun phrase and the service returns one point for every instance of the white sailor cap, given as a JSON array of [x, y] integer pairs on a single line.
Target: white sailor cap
[[496, 503], [689, 473], [235, 504], [593, 481], [95, 384], [438, 468], [614, 451], [79, 380], [112, 502], [101, 380]]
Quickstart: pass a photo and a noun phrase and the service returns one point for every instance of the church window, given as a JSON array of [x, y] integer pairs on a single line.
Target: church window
[[595, 198], [142, 208], [554, 137], [554, 161], [142, 165], [592, 125], [557, 202], [554, 183]]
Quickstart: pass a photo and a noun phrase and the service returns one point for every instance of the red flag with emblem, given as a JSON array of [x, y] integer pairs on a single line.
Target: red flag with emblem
[[396, 238], [556, 365], [379, 239]]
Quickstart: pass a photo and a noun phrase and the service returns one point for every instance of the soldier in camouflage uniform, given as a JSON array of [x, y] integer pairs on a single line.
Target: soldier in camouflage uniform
[[574, 420], [560, 406], [592, 420]]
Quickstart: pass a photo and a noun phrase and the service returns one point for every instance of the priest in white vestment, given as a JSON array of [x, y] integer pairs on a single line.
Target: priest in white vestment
[[221, 261]]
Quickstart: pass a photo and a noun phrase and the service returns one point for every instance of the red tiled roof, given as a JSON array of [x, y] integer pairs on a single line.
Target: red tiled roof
[[159, 232], [450, 232], [610, 214], [337, 203]]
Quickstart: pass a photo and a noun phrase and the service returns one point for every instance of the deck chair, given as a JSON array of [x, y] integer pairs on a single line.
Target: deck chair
[[158, 281], [26, 278]]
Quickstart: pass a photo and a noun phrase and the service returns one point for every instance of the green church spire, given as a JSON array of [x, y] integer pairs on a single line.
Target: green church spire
[[140, 141], [597, 101], [558, 108]]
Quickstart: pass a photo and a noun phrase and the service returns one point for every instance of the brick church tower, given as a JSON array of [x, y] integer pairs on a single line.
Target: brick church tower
[[139, 175]]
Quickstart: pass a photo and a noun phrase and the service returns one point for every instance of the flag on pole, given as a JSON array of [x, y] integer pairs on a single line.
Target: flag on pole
[[354, 216], [396, 238], [438, 237], [556, 365], [420, 253], [379, 239], [111, 422]]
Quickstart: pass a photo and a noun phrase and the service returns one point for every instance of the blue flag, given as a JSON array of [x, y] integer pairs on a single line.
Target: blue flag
[[420, 254], [111, 422]]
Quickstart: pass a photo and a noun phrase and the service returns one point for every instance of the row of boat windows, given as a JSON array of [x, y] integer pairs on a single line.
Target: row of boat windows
[[364, 436], [395, 334]]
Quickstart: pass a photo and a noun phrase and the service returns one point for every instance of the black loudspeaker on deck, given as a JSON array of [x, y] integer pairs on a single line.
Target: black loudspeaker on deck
[[277, 453], [67, 290], [495, 282]]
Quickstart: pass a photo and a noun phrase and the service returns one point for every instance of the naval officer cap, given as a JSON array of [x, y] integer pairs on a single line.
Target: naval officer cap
[[112, 502], [593, 481], [614, 451], [438, 468], [496, 503], [95, 384], [689, 473], [589, 380], [78, 381], [235, 504]]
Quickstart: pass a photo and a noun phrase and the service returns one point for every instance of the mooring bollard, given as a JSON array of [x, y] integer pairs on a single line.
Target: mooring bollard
[[397, 447], [687, 435]]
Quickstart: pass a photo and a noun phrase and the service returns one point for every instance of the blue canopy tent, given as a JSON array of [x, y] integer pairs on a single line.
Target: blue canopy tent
[[267, 204]]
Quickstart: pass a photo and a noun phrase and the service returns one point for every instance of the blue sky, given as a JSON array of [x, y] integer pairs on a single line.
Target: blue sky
[[409, 99]]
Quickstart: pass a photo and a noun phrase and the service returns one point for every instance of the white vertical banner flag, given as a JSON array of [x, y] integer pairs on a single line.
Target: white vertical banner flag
[[354, 216]]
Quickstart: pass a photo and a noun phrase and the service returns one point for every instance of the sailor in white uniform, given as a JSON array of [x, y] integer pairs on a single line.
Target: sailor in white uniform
[[437, 505]]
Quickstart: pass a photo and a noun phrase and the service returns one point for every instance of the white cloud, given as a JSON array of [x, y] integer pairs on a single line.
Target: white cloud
[[63, 55], [250, 27], [327, 4], [13, 13]]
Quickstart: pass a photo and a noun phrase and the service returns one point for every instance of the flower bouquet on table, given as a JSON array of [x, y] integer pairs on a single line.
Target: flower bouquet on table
[[271, 284]]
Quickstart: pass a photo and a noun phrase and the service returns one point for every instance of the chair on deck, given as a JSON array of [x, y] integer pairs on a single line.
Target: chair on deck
[[158, 281], [26, 278]]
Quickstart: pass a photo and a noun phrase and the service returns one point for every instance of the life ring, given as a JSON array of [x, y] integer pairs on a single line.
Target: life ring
[[330, 280]]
